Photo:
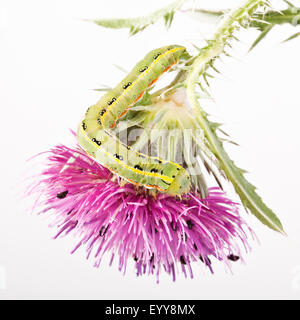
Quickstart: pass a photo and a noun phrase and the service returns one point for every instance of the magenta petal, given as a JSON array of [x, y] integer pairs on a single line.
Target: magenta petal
[[162, 233]]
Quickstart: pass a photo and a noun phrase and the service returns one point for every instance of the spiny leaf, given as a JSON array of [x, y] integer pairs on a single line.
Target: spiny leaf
[[230, 141], [120, 68], [205, 79], [213, 67], [206, 15], [205, 94], [261, 36], [295, 35], [102, 89], [245, 190], [289, 3], [138, 24]]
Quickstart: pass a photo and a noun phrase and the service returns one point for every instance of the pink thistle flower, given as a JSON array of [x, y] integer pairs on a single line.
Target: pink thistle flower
[[158, 232]]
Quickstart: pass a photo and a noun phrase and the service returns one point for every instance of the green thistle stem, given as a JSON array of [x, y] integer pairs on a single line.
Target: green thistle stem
[[213, 50]]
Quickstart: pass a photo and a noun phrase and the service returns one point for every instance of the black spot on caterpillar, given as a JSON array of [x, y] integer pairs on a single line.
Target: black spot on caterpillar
[[127, 85], [157, 55], [143, 69], [118, 156], [96, 141], [111, 101]]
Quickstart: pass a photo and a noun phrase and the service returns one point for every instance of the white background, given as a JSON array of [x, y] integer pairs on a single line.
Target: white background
[[50, 60]]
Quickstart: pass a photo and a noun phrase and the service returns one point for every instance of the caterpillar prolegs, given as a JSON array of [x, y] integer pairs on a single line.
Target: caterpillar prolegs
[[95, 137]]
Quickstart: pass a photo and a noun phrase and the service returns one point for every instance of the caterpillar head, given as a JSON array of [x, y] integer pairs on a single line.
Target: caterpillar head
[[181, 53], [181, 184]]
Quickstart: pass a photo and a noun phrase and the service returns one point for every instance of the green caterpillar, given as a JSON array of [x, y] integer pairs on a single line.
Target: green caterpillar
[[95, 137]]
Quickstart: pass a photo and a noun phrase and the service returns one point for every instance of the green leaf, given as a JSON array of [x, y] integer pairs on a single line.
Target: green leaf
[[244, 189], [102, 89], [289, 3], [121, 68], [203, 15], [264, 32], [138, 24], [295, 35]]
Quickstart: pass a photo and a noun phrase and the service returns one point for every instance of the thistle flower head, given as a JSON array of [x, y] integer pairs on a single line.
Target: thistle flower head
[[159, 232]]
